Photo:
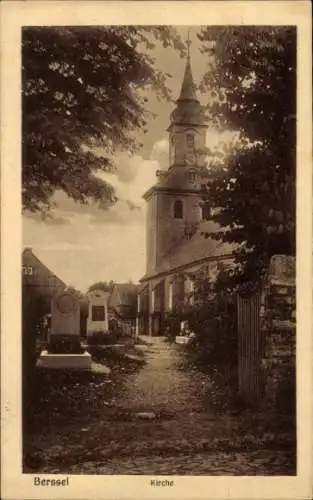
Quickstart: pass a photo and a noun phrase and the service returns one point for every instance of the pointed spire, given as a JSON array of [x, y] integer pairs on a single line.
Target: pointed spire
[[187, 91]]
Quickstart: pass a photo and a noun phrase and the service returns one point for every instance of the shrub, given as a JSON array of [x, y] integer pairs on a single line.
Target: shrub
[[214, 323], [102, 338]]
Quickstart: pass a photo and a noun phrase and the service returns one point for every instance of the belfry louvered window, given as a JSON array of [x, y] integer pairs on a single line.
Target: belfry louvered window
[[178, 209], [206, 211]]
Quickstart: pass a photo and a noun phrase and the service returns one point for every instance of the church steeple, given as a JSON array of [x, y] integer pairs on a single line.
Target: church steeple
[[188, 110], [174, 201], [188, 92], [187, 128]]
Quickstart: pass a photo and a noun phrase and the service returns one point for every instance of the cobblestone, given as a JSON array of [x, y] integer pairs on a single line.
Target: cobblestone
[[266, 462]]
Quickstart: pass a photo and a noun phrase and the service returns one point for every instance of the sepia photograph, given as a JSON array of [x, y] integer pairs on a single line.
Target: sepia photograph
[[156, 250], [159, 250]]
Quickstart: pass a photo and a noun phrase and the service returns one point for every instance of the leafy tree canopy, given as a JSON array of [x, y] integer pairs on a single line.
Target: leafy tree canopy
[[81, 92], [252, 82], [102, 285]]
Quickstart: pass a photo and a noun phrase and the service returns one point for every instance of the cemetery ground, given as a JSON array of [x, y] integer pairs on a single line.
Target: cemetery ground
[[154, 413]]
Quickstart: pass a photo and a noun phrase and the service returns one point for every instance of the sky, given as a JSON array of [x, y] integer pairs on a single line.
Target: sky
[[86, 244]]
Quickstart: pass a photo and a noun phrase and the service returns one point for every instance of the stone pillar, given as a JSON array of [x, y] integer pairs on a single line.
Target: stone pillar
[[106, 309], [98, 298], [151, 309], [170, 296], [150, 324], [279, 330], [64, 350], [138, 313]]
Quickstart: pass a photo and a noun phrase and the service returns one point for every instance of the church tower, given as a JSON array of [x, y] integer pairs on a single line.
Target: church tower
[[174, 202]]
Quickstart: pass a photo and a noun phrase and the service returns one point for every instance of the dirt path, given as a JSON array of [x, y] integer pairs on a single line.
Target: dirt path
[[160, 420], [163, 384]]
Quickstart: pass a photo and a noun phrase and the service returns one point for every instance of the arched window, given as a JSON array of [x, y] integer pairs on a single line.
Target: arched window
[[178, 209], [206, 211], [190, 140]]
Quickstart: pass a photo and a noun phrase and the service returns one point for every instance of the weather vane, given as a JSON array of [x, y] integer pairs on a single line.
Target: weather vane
[[188, 43]]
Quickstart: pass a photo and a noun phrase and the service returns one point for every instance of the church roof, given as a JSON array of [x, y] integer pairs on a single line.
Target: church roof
[[188, 109], [188, 92], [192, 251], [127, 293]]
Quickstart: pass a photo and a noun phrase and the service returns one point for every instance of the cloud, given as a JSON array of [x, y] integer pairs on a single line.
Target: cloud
[[92, 244], [49, 219], [87, 243], [82, 253], [160, 153], [133, 176]]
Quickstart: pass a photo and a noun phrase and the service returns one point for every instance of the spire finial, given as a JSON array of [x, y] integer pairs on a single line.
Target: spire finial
[[188, 43]]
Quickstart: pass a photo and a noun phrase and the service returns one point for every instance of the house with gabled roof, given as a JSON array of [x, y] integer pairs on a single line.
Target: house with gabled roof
[[37, 277], [39, 285]]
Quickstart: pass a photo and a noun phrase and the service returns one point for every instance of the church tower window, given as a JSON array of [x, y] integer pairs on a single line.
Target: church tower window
[[178, 209], [190, 140]]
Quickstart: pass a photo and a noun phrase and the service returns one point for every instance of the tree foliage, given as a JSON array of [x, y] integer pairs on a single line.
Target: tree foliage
[[105, 286], [252, 82], [81, 94], [211, 315]]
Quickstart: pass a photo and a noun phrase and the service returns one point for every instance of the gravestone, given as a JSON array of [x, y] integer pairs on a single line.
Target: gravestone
[[64, 348], [65, 316], [98, 316]]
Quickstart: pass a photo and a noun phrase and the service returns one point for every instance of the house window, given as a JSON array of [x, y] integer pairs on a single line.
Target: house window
[[178, 209], [206, 211], [98, 313], [190, 140], [27, 270]]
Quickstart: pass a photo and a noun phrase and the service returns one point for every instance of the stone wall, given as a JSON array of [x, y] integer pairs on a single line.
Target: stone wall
[[279, 334]]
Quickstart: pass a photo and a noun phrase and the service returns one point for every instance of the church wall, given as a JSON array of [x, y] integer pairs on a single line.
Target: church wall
[[151, 230], [168, 281], [171, 231], [179, 147], [154, 324]]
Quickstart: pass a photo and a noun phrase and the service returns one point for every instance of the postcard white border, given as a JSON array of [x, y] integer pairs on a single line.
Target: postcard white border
[[16, 485]]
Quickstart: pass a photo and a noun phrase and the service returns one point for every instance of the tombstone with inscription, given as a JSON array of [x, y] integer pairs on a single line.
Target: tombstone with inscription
[[64, 348], [98, 317]]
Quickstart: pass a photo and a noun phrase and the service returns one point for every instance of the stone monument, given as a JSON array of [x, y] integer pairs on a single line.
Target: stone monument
[[98, 316], [64, 350]]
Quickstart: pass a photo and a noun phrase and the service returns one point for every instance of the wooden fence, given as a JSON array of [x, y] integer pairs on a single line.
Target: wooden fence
[[250, 347]]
